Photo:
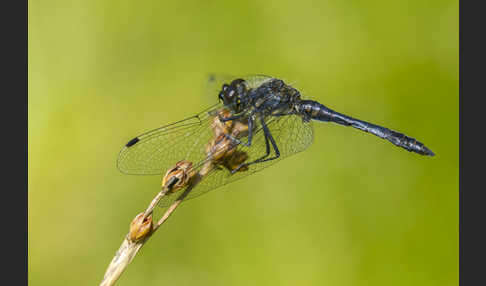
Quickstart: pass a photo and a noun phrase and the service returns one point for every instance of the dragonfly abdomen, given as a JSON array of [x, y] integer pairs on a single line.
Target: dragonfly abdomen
[[310, 109], [409, 143]]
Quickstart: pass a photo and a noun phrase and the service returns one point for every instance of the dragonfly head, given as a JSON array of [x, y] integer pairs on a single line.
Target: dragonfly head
[[234, 96]]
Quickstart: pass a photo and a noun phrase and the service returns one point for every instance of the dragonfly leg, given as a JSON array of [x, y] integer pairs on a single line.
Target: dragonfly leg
[[224, 119], [250, 130], [268, 137], [267, 145]]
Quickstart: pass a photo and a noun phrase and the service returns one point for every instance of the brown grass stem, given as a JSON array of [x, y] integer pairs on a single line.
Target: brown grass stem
[[129, 248]]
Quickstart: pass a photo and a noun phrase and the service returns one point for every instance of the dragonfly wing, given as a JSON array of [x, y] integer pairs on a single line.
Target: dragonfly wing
[[291, 134], [158, 150], [254, 81], [152, 153], [214, 84]]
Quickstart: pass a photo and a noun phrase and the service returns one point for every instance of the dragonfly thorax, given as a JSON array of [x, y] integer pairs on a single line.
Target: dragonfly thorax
[[269, 97]]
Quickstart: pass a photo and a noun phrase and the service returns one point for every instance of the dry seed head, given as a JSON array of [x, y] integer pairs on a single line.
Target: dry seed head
[[222, 127], [220, 147], [182, 172], [239, 129], [236, 159], [139, 228]]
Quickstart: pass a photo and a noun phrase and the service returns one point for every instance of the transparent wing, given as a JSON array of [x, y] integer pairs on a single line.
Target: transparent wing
[[291, 134], [158, 150], [254, 81], [152, 153], [215, 83]]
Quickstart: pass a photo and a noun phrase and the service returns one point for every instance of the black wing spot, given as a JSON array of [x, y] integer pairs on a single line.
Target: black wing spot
[[132, 142]]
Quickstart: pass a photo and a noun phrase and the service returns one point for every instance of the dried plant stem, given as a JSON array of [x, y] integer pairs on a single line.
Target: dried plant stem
[[122, 258], [220, 150], [177, 202], [154, 203], [129, 249]]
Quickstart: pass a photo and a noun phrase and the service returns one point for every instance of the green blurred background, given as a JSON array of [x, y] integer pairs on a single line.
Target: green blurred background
[[350, 210]]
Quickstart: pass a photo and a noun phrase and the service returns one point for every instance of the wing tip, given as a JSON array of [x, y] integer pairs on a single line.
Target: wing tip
[[132, 142]]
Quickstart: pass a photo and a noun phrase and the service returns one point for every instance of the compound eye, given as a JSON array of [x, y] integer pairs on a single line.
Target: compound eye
[[220, 97], [225, 87], [237, 82]]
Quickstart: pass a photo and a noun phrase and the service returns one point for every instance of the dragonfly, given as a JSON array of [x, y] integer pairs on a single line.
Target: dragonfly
[[259, 120]]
